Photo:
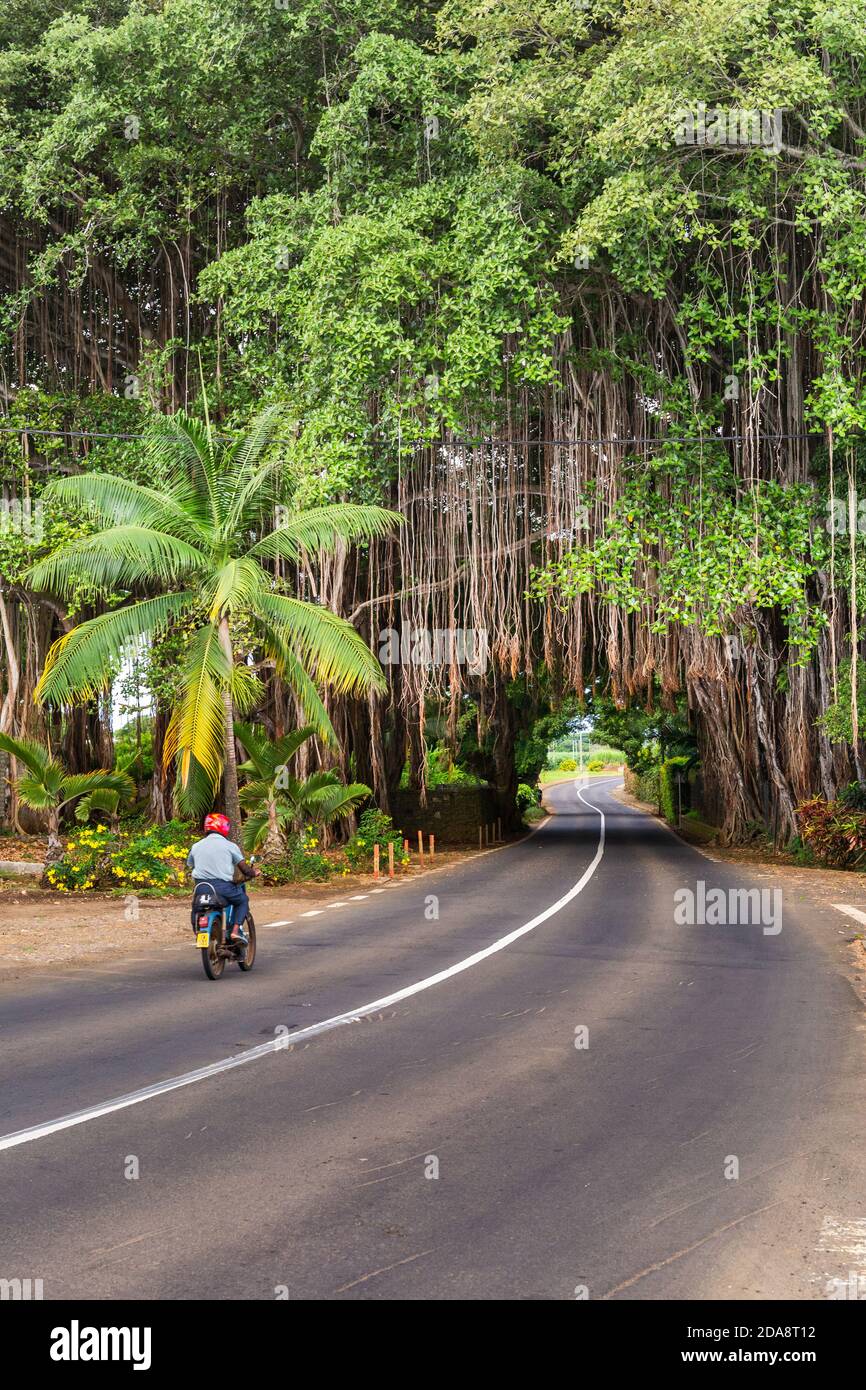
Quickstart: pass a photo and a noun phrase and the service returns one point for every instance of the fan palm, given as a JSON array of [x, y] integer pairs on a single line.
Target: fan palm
[[46, 786], [195, 541], [277, 801]]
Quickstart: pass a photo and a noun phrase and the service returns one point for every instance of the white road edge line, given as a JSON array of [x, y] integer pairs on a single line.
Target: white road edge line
[[283, 1043], [851, 912]]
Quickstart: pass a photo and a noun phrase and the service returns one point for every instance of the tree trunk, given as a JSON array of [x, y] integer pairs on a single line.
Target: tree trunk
[[55, 847], [230, 764], [274, 846]]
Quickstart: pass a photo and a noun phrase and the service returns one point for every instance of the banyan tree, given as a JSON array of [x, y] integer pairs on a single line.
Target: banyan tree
[[579, 289]]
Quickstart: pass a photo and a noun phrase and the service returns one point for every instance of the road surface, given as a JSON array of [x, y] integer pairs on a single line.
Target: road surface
[[582, 1099]]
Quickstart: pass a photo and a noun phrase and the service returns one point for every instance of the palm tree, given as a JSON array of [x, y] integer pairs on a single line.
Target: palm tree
[[47, 787], [105, 803], [276, 801], [199, 535]]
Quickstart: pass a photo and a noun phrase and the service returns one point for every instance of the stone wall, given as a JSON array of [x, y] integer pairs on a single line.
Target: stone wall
[[453, 814]]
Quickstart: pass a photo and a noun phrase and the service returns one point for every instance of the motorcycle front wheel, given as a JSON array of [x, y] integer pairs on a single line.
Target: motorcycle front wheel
[[246, 963]]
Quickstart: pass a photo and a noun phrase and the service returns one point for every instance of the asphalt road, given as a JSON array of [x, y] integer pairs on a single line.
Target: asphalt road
[[707, 1142]]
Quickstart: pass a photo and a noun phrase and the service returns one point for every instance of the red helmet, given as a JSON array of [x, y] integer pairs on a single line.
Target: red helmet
[[214, 821]]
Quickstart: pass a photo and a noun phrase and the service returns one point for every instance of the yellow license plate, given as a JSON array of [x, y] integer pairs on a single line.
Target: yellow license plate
[[202, 938]]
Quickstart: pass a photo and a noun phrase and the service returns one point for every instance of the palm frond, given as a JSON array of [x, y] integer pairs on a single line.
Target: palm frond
[[293, 673], [255, 830], [34, 792], [197, 726], [254, 793], [258, 748], [103, 780], [236, 584], [332, 803], [120, 557], [321, 528], [124, 503], [81, 663], [181, 450], [108, 802], [250, 478], [341, 658], [196, 797], [286, 747], [33, 755]]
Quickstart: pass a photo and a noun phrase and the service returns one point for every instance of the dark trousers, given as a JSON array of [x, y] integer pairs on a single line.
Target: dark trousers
[[236, 894]]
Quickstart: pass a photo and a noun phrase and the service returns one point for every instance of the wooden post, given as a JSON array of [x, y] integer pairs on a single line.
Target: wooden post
[[480, 837], [421, 845], [376, 860], [390, 858], [405, 846], [432, 845], [498, 829]]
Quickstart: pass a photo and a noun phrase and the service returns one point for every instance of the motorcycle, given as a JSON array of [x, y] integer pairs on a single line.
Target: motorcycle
[[212, 921]]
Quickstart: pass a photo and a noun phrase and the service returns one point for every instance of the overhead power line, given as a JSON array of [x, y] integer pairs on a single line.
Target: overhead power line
[[479, 443]]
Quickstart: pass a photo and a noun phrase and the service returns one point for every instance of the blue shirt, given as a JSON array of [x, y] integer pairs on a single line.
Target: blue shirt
[[214, 857]]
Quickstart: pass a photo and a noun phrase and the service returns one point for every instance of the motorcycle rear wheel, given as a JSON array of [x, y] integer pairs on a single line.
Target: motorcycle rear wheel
[[212, 958]]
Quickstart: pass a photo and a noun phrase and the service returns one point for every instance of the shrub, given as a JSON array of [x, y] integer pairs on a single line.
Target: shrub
[[595, 765], [94, 857], [647, 785], [835, 834], [567, 765], [527, 797], [669, 797], [154, 859], [374, 828], [853, 797], [85, 863], [303, 861]]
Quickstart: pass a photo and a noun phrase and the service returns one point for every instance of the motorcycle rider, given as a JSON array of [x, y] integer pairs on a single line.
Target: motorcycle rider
[[214, 860]]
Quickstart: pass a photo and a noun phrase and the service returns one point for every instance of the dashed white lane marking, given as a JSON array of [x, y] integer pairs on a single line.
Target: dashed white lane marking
[[282, 1043], [287, 922], [851, 912], [315, 912], [358, 897]]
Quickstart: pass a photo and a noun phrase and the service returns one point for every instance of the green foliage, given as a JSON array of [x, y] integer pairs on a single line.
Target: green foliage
[[837, 719], [673, 786], [46, 786], [527, 797], [853, 797], [567, 765], [277, 801], [648, 784], [95, 857], [374, 828], [698, 556], [302, 862]]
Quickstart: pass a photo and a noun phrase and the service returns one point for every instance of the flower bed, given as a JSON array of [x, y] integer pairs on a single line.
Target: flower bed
[[150, 860]]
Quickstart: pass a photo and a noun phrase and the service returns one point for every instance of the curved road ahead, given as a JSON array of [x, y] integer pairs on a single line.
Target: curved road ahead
[[712, 1050]]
